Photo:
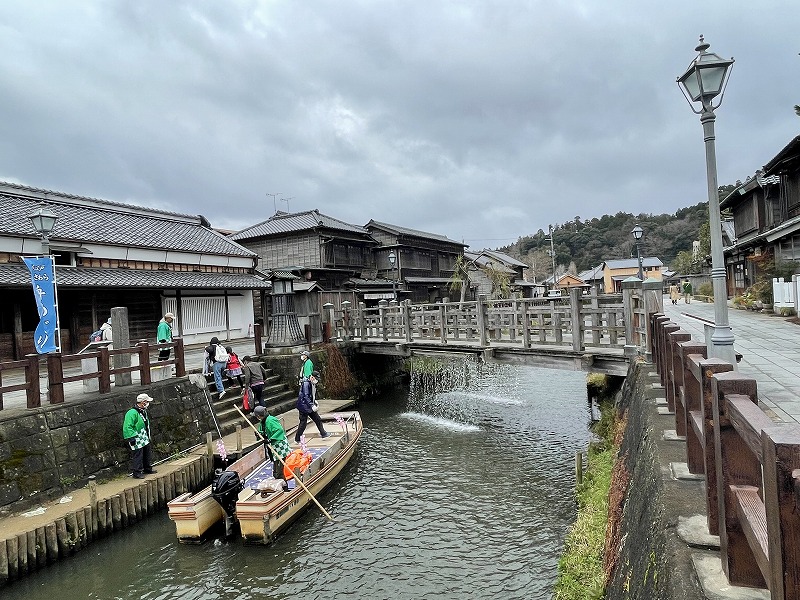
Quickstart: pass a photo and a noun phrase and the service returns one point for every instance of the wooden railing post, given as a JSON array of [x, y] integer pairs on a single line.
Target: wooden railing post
[[55, 378], [526, 324], [34, 392], [675, 367], [736, 466], [443, 320], [691, 401], [362, 319], [105, 371], [781, 459], [144, 362], [180, 358], [664, 350], [257, 332], [481, 315], [384, 333], [576, 318]]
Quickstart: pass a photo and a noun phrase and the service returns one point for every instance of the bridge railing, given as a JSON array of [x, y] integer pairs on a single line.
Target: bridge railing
[[575, 321], [751, 464]]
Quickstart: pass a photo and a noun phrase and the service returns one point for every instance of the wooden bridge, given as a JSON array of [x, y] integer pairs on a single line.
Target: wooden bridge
[[597, 333]]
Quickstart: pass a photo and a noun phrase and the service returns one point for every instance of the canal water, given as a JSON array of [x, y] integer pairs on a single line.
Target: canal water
[[454, 493]]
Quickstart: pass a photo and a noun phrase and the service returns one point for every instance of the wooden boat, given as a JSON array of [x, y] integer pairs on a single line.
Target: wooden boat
[[262, 516], [195, 514]]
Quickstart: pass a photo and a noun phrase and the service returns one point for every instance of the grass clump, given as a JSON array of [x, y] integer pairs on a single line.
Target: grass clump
[[580, 569]]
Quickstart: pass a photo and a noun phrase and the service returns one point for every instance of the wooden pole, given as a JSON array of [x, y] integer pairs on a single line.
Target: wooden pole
[[276, 455], [579, 467]]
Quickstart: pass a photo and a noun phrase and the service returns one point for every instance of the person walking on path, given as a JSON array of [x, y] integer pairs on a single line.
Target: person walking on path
[[687, 292], [136, 431], [305, 406], [254, 377], [217, 358], [306, 367], [164, 334], [674, 294], [274, 435]]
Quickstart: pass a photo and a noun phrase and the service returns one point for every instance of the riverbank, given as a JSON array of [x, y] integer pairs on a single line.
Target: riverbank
[[33, 539]]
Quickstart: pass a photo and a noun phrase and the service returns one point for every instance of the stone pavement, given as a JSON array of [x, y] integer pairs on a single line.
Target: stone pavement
[[770, 348]]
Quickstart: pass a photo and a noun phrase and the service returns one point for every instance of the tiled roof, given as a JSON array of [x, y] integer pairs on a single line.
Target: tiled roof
[[629, 263], [482, 260], [505, 258], [286, 223], [129, 278], [89, 220], [412, 232], [593, 273]]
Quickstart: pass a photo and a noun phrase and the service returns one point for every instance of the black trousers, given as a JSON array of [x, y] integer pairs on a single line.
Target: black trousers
[[258, 392], [142, 459], [163, 354], [304, 420]]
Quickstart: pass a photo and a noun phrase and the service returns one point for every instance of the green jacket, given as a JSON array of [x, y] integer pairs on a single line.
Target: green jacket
[[306, 369], [136, 428], [687, 288], [164, 331]]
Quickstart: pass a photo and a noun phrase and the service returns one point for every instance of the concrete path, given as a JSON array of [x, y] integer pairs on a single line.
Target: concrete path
[[770, 348]]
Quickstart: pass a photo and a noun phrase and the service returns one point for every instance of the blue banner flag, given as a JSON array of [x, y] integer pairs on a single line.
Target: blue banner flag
[[44, 290]]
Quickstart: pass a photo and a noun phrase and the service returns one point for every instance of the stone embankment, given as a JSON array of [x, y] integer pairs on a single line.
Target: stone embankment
[[657, 542]]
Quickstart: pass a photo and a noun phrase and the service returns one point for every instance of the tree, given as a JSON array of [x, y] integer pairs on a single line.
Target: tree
[[460, 277], [501, 282]]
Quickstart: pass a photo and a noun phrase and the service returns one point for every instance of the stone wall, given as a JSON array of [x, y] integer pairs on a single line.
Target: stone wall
[[47, 451], [646, 558]]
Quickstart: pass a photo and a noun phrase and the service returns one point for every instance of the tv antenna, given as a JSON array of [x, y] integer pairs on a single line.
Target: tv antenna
[[274, 203]]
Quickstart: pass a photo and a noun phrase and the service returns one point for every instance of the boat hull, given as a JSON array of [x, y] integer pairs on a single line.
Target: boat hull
[[261, 520]]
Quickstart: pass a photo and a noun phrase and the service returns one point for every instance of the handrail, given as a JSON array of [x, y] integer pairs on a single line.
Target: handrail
[[750, 463]]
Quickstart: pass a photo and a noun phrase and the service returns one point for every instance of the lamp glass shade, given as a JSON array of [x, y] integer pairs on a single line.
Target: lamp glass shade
[[637, 232], [43, 220], [705, 77], [392, 257]]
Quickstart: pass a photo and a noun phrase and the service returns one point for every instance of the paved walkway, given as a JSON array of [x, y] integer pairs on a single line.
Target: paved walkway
[[770, 348]]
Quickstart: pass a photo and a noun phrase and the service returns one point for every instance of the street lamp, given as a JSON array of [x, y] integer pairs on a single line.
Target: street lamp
[[44, 220], [705, 79], [393, 260], [637, 233]]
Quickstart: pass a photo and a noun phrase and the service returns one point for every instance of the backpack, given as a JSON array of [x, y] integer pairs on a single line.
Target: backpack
[[97, 336], [220, 354]]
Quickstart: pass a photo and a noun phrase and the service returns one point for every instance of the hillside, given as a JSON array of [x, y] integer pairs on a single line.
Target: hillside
[[588, 243]]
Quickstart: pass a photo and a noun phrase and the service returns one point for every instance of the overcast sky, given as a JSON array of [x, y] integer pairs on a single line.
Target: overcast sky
[[482, 121]]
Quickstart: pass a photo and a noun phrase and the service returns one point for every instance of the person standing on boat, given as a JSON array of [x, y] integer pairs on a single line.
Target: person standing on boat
[[136, 431], [274, 436], [306, 408]]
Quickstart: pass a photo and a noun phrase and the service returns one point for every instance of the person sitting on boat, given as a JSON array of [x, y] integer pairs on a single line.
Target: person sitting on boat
[[274, 437], [307, 408]]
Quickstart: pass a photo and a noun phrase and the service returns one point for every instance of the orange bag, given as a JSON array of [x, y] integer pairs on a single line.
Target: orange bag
[[298, 460]]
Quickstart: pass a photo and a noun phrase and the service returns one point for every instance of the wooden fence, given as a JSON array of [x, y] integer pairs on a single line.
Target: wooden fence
[[27, 371], [573, 321], [750, 463]]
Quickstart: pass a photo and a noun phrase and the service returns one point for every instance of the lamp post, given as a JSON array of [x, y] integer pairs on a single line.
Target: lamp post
[[393, 260], [637, 233], [44, 220], [705, 79], [552, 254]]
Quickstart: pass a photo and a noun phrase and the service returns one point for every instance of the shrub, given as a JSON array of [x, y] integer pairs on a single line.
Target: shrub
[[706, 289]]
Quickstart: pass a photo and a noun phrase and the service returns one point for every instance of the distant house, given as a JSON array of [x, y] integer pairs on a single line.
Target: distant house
[[766, 219], [616, 271], [564, 282], [483, 262], [594, 278], [424, 262], [110, 254]]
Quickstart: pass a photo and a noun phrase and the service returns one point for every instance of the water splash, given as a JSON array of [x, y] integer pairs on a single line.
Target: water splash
[[454, 390]]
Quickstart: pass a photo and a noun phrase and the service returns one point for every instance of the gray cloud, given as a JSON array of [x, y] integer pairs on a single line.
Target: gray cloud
[[484, 121]]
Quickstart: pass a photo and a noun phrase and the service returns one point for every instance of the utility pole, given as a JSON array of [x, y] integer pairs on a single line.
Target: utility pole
[[274, 203], [552, 254]]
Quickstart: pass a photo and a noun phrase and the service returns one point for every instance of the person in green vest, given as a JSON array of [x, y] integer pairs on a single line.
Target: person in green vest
[[687, 292], [274, 436], [164, 334], [136, 431]]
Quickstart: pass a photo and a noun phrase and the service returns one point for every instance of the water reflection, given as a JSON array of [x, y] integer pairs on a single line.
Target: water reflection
[[454, 493]]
